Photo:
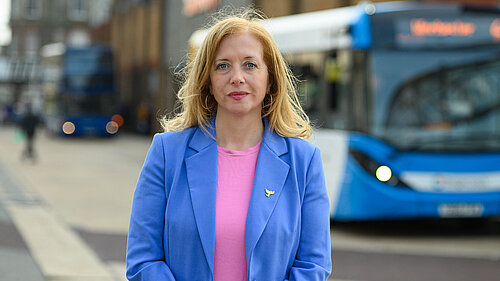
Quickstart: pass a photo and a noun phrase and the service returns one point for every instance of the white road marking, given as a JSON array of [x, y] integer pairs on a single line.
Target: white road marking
[[59, 251]]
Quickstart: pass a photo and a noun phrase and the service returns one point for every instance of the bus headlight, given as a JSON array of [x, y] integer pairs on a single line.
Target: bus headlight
[[68, 128], [381, 172], [112, 127]]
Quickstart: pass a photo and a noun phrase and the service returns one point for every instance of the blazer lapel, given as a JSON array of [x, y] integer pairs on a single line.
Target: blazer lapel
[[270, 174], [201, 169]]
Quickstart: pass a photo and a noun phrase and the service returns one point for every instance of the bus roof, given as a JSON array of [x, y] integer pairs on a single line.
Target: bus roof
[[404, 6], [347, 27], [315, 31]]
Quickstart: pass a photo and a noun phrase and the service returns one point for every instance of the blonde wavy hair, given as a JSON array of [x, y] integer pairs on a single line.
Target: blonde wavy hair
[[281, 105]]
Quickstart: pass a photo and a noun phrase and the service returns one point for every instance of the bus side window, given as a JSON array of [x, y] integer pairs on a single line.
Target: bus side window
[[337, 85], [307, 87], [332, 76], [306, 67], [359, 99], [323, 86]]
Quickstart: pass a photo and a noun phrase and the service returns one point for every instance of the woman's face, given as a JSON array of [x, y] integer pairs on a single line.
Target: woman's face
[[239, 77]]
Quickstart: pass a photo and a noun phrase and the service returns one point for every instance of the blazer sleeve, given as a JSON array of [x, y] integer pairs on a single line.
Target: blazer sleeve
[[145, 254], [313, 259]]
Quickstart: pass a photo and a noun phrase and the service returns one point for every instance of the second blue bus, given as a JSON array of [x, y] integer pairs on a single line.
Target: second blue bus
[[79, 90]]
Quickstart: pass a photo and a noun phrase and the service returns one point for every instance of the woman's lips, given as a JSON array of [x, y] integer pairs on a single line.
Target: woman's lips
[[238, 95]]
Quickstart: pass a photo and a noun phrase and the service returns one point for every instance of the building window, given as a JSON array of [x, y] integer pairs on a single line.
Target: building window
[[100, 12], [16, 9], [77, 10], [33, 9], [58, 9]]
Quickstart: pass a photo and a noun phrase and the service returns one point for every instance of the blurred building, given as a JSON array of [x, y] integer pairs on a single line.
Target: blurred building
[[136, 37], [150, 38], [35, 23]]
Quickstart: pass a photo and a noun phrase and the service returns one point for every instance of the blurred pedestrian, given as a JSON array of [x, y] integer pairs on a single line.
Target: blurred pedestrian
[[28, 123], [231, 191]]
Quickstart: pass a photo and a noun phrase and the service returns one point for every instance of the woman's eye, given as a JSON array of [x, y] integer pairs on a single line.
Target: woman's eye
[[251, 65], [222, 66]]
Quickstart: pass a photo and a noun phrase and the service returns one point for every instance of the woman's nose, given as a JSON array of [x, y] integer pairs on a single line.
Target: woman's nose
[[237, 77]]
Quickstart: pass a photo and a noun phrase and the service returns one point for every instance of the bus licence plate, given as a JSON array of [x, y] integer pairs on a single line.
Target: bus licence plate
[[456, 210]]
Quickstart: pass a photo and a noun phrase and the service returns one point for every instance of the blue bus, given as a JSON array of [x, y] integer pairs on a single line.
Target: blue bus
[[79, 90], [405, 97]]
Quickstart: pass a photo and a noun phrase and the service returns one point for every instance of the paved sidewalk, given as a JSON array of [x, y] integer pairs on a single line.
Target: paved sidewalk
[[16, 263], [37, 244], [52, 210]]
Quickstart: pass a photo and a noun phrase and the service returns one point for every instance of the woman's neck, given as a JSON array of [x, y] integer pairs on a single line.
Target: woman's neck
[[238, 132]]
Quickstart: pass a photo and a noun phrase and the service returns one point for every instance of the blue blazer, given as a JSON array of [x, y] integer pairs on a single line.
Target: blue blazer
[[172, 225]]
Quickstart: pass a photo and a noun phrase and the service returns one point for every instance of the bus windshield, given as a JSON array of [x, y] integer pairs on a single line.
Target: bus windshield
[[89, 71], [87, 82], [90, 84], [449, 110], [76, 105]]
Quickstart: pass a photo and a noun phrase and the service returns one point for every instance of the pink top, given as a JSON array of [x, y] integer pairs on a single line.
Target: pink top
[[235, 176]]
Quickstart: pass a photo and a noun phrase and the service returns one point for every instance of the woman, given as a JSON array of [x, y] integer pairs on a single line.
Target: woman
[[231, 191]]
